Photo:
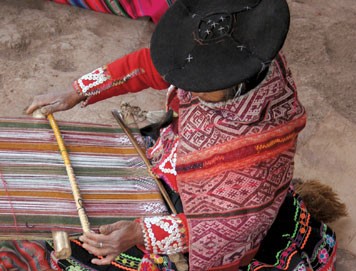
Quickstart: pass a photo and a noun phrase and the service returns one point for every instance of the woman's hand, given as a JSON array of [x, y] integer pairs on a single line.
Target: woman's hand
[[112, 240], [54, 101]]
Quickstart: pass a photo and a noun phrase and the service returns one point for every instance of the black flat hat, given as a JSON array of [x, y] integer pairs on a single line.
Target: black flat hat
[[207, 45]]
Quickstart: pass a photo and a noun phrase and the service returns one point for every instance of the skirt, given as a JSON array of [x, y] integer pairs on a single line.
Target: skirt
[[295, 242]]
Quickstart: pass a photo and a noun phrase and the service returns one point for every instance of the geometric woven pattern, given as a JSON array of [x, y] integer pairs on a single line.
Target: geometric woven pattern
[[238, 209], [272, 104], [234, 166], [237, 192]]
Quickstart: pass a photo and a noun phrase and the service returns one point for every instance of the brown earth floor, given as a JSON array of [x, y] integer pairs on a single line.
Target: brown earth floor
[[45, 46]]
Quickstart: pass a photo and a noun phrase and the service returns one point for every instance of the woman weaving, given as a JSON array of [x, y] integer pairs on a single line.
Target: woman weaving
[[228, 151]]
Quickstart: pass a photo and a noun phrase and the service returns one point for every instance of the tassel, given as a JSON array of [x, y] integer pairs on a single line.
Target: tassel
[[321, 201]]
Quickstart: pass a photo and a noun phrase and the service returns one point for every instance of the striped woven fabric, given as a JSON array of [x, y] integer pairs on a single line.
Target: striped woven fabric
[[35, 193], [133, 9]]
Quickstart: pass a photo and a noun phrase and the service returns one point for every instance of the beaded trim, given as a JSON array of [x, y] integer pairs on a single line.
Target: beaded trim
[[168, 166], [164, 234], [92, 80], [100, 80]]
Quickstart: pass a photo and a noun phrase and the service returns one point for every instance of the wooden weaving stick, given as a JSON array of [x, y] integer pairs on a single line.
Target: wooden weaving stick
[[73, 182], [62, 248], [60, 238], [178, 258], [142, 154]]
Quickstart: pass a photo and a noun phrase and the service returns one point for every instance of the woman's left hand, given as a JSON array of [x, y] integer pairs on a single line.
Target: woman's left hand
[[112, 240]]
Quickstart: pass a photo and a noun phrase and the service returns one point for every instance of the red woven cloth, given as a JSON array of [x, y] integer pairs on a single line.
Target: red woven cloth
[[23, 255]]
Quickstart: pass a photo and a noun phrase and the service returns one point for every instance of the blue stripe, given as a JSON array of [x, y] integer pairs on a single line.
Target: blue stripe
[[78, 3]]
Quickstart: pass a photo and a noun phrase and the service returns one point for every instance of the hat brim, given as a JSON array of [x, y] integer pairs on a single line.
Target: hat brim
[[258, 34]]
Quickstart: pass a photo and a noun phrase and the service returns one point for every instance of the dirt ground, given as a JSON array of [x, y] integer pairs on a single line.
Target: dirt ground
[[45, 46]]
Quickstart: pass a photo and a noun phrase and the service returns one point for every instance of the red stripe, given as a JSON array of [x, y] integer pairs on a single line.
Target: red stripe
[[263, 142], [12, 261], [61, 1], [96, 5], [30, 249]]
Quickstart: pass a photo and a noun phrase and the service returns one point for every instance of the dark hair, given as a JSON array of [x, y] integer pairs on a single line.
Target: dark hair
[[244, 87], [153, 129]]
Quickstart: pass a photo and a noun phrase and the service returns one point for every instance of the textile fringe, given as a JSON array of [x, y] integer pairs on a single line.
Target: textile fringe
[[321, 200]]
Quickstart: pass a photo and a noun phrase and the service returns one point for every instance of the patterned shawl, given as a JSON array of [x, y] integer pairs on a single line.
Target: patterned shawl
[[234, 166]]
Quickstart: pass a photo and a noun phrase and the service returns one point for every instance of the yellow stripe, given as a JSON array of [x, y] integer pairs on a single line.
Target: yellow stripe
[[275, 141], [71, 148], [63, 195]]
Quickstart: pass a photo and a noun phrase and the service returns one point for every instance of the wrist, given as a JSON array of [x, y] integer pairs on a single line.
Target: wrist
[[138, 233]]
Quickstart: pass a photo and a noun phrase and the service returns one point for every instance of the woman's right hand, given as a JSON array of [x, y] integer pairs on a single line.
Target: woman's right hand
[[54, 101]]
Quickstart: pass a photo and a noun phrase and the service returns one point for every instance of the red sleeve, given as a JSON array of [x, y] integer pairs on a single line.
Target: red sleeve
[[131, 73], [165, 234]]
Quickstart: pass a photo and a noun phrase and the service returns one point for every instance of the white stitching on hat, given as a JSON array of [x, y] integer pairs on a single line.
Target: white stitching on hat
[[189, 58], [214, 24], [241, 47]]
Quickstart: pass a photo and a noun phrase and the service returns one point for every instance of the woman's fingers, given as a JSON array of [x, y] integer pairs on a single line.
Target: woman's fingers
[[54, 107], [38, 102], [103, 249], [49, 109], [100, 251], [112, 240], [104, 260], [90, 242], [53, 102], [46, 108], [109, 228]]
